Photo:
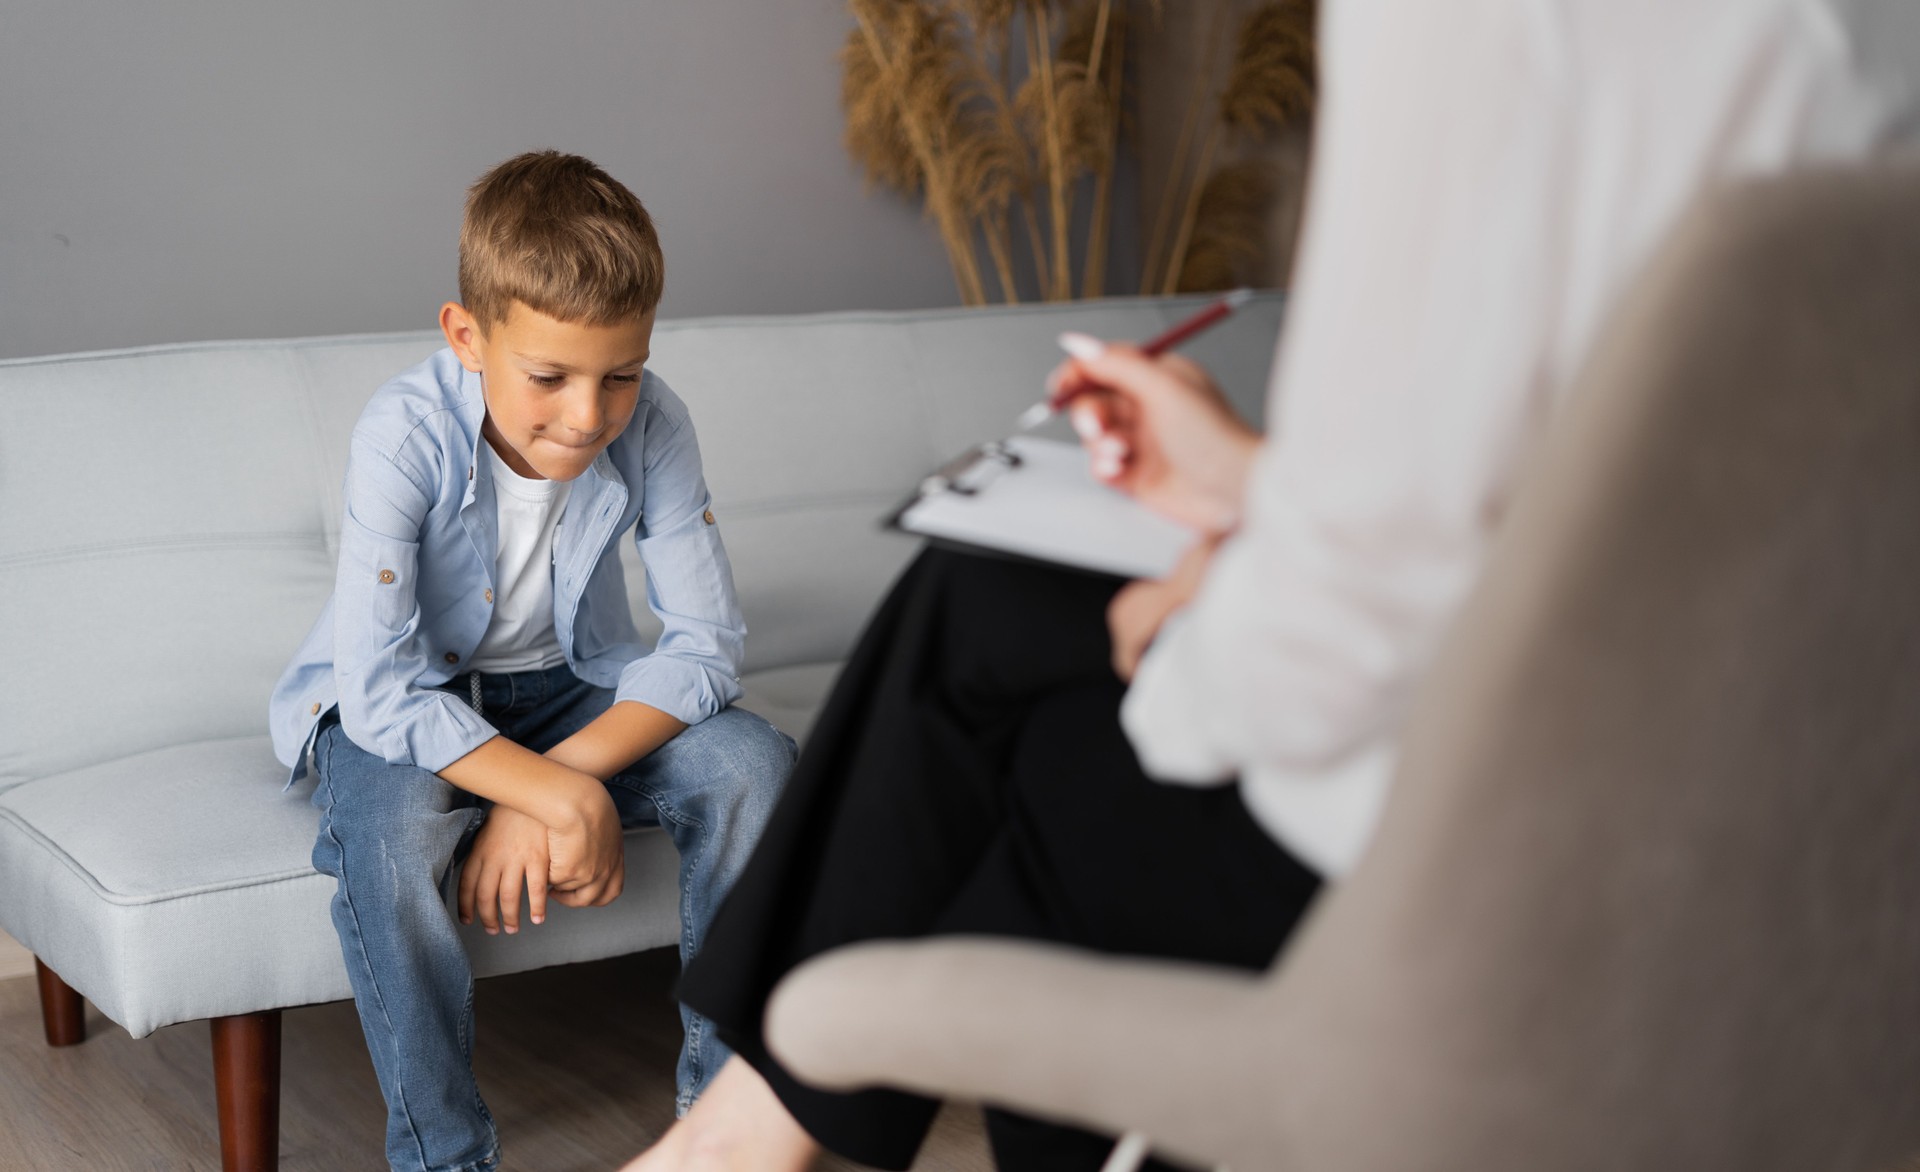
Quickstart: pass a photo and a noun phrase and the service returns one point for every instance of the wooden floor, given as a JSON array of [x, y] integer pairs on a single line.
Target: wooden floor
[[15, 961], [575, 1062]]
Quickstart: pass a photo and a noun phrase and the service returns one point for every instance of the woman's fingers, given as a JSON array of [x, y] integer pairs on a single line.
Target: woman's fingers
[[1193, 377], [1157, 428], [1132, 620], [1125, 370], [1105, 441], [1108, 457]]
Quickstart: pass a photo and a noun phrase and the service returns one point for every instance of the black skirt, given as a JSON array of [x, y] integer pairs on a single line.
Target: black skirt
[[969, 775]]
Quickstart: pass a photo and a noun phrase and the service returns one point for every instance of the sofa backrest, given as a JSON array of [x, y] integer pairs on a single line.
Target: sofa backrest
[[169, 515]]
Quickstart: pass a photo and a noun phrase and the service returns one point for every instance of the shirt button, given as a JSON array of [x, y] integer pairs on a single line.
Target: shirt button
[[315, 710], [489, 595], [452, 658], [386, 577], [708, 516]]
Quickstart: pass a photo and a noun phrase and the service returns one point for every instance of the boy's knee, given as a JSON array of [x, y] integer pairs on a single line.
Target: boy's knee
[[753, 746], [780, 748], [737, 756]]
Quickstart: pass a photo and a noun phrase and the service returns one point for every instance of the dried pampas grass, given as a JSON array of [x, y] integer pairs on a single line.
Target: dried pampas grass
[[1269, 84], [1273, 72], [902, 85], [1229, 237], [990, 16], [1080, 115], [876, 136], [934, 111]]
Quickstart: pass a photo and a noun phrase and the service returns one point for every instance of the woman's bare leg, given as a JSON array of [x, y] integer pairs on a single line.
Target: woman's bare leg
[[736, 1124]]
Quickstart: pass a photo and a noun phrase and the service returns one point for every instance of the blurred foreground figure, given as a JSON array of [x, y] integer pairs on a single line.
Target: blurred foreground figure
[[1488, 179]]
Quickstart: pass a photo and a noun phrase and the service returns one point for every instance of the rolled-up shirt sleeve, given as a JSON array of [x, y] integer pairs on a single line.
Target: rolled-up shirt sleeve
[[378, 660], [694, 669]]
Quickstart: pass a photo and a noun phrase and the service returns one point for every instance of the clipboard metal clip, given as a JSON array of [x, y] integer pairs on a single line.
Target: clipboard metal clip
[[972, 471]]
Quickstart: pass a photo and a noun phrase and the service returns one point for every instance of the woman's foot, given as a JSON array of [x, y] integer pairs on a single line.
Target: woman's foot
[[737, 1125]]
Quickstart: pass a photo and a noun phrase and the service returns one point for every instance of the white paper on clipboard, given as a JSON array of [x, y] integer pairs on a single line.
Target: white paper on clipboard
[[1043, 503]]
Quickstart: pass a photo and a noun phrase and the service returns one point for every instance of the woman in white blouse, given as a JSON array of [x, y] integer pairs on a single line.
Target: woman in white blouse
[[1488, 176]]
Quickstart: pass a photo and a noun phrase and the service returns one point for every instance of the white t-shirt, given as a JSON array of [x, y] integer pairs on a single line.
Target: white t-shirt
[[520, 636], [1488, 176]]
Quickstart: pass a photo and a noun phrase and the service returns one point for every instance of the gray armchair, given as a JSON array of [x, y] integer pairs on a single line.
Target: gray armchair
[[1647, 893]]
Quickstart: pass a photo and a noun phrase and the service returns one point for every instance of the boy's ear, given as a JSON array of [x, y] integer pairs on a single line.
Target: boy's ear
[[463, 334]]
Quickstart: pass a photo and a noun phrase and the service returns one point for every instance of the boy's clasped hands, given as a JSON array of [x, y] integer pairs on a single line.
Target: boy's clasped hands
[[553, 828], [581, 863]]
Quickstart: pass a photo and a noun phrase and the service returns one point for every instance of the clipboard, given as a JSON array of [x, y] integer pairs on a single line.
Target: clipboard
[[1036, 499]]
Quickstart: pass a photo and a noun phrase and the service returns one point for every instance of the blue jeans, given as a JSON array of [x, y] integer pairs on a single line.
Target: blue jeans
[[390, 834]]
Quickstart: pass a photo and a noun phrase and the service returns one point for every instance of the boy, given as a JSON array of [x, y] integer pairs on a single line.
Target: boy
[[477, 677]]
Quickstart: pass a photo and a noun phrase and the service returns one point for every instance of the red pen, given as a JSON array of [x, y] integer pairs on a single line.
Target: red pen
[[1210, 315]]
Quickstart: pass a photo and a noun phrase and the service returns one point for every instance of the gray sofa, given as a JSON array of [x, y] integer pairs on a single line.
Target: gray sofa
[[168, 523]]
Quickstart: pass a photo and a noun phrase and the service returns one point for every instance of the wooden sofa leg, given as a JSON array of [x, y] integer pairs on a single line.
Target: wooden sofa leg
[[246, 1083], [62, 1010]]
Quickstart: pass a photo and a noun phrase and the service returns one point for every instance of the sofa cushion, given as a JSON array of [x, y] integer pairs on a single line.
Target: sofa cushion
[[114, 878], [790, 697], [146, 851], [203, 547]]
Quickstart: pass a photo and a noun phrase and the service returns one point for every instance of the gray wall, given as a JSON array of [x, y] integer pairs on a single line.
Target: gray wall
[[202, 169]]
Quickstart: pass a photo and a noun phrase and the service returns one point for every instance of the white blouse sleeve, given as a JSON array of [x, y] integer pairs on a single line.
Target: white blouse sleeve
[[1489, 176], [1415, 353]]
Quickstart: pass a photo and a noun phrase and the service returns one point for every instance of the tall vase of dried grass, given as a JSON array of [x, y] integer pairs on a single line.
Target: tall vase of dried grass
[[1269, 85], [934, 111], [905, 116], [1004, 114], [1093, 281]]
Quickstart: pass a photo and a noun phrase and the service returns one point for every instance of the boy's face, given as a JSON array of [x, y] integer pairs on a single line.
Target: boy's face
[[557, 392]]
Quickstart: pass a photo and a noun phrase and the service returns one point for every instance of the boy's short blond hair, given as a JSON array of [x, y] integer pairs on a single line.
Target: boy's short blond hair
[[558, 234]]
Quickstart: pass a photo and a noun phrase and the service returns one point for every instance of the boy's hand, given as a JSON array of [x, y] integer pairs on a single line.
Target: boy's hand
[[587, 859], [586, 864], [509, 851]]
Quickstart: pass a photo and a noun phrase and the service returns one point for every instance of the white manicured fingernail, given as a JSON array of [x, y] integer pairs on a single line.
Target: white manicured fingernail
[[1085, 422], [1106, 466], [1111, 448], [1083, 346]]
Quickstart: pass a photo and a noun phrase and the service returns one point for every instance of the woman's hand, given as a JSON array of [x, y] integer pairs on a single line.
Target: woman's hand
[[1158, 429], [1137, 613], [509, 852]]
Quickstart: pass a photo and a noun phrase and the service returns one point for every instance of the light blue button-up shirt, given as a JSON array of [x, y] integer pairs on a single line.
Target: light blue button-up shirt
[[412, 593]]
